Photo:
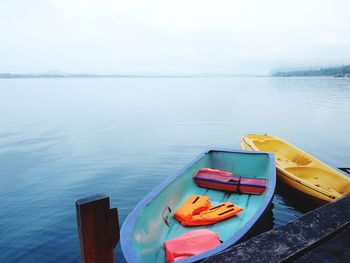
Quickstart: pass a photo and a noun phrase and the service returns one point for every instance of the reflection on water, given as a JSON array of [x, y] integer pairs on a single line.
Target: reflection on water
[[63, 139]]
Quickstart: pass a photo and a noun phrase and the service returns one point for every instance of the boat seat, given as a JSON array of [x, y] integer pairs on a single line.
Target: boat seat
[[284, 162], [301, 160]]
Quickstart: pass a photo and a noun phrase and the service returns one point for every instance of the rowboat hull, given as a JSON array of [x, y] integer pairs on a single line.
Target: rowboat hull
[[300, 170], [144, 230]]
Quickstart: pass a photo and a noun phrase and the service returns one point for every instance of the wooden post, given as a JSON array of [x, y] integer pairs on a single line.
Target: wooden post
[[98, 228]]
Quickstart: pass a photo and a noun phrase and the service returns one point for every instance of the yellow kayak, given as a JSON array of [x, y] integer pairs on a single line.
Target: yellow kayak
[[299, 169]]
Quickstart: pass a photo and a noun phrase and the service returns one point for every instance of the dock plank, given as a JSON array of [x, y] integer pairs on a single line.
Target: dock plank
[[293, 240]]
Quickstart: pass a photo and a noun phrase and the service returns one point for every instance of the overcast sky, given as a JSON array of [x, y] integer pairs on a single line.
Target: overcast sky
[[175, 37]]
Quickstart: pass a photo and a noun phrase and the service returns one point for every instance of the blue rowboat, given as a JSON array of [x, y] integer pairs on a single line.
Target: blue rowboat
[[151, 222]]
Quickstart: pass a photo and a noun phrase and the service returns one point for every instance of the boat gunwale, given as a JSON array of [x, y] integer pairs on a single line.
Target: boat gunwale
[[293, 177], [129, 222]]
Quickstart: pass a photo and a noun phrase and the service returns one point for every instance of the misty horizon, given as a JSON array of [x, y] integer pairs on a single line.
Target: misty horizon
[[189, 74]]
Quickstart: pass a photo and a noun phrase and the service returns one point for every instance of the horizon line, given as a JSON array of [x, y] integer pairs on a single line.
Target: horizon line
[[94, 75]]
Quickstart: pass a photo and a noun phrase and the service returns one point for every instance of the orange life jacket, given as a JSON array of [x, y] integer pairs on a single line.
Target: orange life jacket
[[197, 211], [192, 206], [213, 215]]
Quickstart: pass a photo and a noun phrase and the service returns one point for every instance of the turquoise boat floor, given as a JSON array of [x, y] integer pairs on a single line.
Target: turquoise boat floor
[[227, 228], [149, 231]]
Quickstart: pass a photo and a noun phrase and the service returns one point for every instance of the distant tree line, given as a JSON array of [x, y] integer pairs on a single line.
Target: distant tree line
[[343, 71]]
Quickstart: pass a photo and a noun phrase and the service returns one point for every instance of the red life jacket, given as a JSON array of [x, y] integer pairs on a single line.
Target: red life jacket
[[190, 244], [226, 181]]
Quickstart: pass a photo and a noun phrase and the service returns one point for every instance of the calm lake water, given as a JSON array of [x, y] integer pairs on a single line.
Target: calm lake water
[[64, 139]]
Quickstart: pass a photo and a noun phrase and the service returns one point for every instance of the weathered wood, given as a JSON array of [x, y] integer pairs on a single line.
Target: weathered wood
[[98, 228], [294, 239], [337, 249]]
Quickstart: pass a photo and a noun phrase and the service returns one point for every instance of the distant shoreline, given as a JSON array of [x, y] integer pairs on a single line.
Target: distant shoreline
[[62, 76], [159, 77], [340, 72]]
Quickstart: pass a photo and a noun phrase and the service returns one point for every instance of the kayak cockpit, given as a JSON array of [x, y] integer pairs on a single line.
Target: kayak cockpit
[[299, 169]]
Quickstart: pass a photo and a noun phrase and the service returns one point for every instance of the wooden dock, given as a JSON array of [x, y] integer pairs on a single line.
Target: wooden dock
[[321, 235]]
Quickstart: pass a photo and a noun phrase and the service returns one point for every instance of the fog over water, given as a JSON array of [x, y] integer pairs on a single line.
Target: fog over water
[[172, 37]]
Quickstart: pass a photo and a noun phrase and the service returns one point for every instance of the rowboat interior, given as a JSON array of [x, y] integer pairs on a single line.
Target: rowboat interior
[[150, 229]]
